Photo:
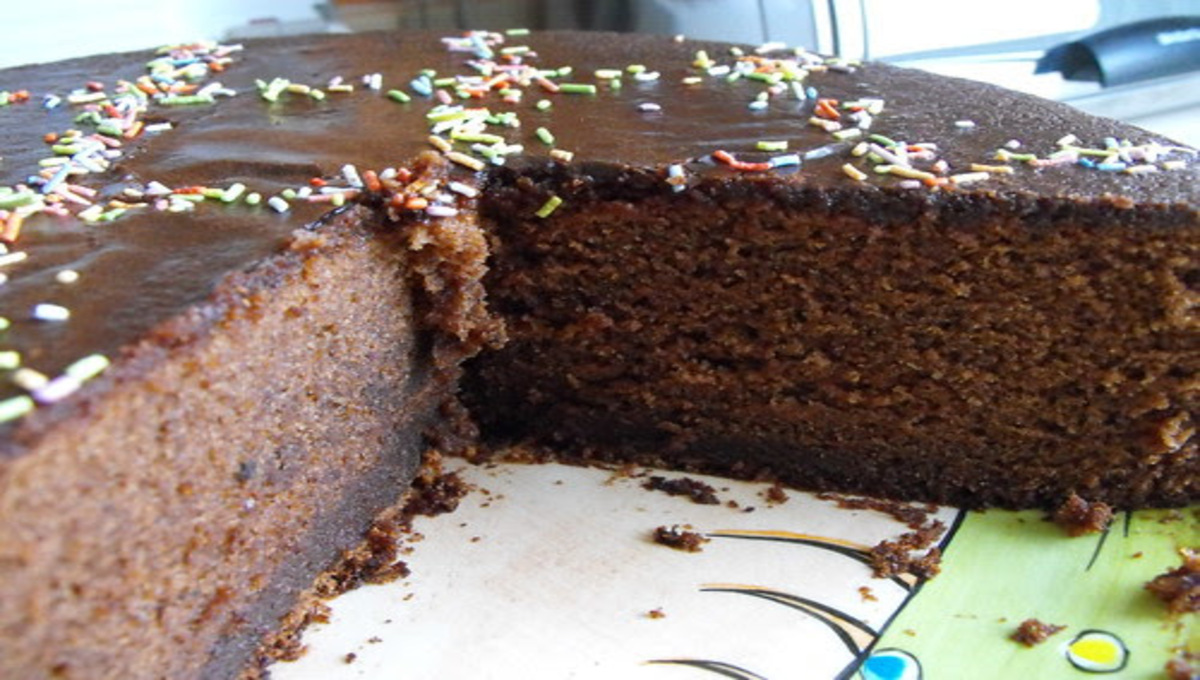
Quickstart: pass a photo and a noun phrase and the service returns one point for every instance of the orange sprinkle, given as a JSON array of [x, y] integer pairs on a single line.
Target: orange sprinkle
[[317, 182], [134, 130], [416, 203], [371, 180], [827, 108], [20, 96], [12, 228], [189, 190], [50, 137]]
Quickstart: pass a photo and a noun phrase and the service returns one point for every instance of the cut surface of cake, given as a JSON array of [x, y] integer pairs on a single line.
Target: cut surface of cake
[[248, 286]]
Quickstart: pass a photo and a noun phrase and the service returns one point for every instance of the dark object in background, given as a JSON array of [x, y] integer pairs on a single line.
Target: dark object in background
[[1130, 53]]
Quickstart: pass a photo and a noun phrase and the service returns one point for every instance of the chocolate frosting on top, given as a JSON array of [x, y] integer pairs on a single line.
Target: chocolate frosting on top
[[148, 265]]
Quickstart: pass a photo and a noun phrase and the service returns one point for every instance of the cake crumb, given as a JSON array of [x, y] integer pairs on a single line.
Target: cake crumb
[[1179, 588], [349, 658], [902, 555], [1078, 517], [913, 516], [1032, 632], [680, 538], [1183, 666], [697, 491], [867, 594], [774, 494], [656, 613]]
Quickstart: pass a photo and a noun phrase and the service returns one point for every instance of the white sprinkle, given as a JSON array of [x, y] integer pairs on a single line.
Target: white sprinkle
[[968, 177], [1012, 144], [350, 173], [964, 124], [436, 210], [67, 276], [278, 204], [48, 312], [463, 189], [646, 76], [56, 390], [29, 379], [649, 107], [13, 258]]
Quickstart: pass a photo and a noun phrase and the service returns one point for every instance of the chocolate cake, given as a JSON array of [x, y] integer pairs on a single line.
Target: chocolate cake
[[247, 286]]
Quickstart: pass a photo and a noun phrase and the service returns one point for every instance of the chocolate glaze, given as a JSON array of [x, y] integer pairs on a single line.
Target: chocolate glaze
[[142, 269]]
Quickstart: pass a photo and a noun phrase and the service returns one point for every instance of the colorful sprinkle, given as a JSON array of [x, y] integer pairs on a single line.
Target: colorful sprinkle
[[45, 311], [549, 207]]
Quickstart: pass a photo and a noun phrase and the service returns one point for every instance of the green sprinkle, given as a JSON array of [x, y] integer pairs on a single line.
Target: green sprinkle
[[635, 68], [480, 137], [564, 71], [545, 135], [110, 130], [213, 193], [544, 105], [15, 407], [316, 94], [517, 31], [399, 96], [847, 134], [288, 194], [883, 141], [16, 199], [577, 88], [608, 73], [772, 146], [88, 367], [10, 360], [190, 99], [338, 200], [111, 215], [515, 49], [445, 82], [253, 198], [615, 84], [549, 207], [769, 78], [5, 98], [5, 324]]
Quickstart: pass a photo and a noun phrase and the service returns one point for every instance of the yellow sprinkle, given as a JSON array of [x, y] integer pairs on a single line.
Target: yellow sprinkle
[[562, 155], [853, 172], [1002, 169], [465, 160], [911, 173], [440, 143]]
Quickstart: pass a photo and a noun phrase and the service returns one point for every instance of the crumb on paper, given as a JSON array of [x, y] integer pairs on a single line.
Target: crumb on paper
[[694, 489], [1179, 588], [1032, 632], [656, 613], [1078, 517], [680, 538]]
